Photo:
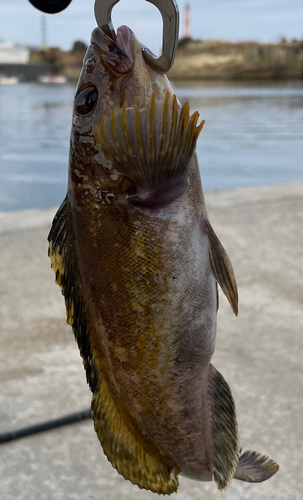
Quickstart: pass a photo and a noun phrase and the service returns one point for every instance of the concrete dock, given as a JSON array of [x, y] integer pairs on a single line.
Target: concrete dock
[[259, 353]]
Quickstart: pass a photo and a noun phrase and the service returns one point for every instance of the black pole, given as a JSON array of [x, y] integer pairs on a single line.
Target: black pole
[[45, 426]]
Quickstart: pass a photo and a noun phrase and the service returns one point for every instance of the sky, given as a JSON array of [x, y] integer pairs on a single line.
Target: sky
[[262, 20]]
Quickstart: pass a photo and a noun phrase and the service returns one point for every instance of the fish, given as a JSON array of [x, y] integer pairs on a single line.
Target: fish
[[139, 265]]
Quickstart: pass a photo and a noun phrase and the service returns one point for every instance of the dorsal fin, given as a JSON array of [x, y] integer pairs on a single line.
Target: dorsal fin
[[150, 146], [120, 446], [221, 267]]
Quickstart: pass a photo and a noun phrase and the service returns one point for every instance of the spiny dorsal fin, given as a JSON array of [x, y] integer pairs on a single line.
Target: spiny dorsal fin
[[224, 429], [255, 468], [221, 267], [120, 446], [150, 146]]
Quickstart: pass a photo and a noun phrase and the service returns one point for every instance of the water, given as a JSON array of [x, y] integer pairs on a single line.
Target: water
[[253, 136]]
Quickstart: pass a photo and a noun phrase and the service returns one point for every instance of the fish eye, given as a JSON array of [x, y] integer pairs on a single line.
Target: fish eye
[[86, 100]]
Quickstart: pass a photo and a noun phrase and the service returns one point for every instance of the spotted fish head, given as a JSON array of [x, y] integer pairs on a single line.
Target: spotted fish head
[[131, 137], [114, 73]]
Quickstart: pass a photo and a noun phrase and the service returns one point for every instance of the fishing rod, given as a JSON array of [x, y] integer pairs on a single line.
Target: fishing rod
[[45, 426]]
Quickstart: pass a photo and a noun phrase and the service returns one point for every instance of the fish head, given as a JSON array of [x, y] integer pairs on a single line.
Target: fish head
[[114, 74], [119, 72]]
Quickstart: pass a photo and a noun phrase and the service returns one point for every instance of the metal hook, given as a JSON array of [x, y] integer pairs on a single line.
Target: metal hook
[[103, 14], [170, 15]]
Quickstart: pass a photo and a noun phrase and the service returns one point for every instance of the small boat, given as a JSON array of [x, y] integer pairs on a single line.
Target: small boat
[[8, 80], [52, 78]]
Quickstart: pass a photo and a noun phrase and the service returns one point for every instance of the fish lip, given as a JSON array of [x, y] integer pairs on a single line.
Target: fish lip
[[111, 52], [124, 40], [101, 40]]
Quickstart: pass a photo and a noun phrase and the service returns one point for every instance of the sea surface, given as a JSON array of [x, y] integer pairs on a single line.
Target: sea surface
[[253, 136]]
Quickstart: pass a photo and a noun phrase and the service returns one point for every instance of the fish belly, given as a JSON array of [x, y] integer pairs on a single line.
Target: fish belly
[[153, 303]]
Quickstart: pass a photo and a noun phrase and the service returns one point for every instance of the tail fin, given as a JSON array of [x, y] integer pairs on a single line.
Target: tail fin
[[255, 468], [151, 146]]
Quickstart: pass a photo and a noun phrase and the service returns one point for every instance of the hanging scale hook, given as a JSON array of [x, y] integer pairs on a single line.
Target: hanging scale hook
[[170, 15]]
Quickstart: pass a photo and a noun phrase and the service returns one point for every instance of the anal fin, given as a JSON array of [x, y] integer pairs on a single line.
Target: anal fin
[[255, 468], [120, 446], [224, 429], [221, 267]]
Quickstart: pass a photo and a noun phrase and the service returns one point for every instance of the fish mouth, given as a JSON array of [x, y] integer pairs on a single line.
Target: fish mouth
[[115, 55]]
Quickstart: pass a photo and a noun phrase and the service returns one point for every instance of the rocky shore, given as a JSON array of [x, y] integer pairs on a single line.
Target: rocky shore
[[215, 59]]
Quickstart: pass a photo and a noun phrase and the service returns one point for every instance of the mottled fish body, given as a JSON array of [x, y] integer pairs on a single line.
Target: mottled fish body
[[138, 263]]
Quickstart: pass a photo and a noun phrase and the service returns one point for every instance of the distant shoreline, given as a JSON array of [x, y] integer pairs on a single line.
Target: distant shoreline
[[223, 60], [204, 59]]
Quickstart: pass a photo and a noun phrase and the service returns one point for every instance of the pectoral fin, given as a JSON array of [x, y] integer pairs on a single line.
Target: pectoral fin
[[255, 468], [151, 147], [221, 267], [121, 447]]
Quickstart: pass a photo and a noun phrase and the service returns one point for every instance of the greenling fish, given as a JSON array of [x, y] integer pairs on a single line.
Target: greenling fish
[[138, 263]]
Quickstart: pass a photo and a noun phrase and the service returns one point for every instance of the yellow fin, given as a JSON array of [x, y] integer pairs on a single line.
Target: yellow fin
[[150, 146], [119, 445], [124, 452]]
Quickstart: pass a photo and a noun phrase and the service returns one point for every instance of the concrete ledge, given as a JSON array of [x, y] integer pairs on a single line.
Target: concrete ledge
[[259, 353], [11, 221]]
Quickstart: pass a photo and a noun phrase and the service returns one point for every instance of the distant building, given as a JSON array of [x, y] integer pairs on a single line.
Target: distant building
[[13, 54]]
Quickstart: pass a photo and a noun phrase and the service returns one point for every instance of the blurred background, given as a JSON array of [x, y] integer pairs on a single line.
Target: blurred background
[[243, 65], [240, 64]]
